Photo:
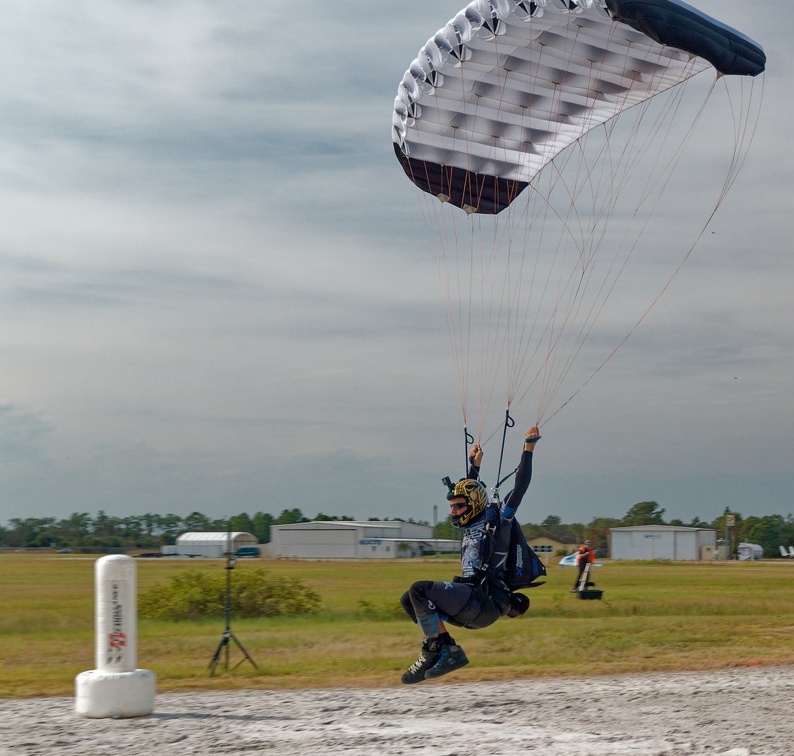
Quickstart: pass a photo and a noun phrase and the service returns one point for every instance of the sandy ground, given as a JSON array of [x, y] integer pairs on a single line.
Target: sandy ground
[[736, 712]]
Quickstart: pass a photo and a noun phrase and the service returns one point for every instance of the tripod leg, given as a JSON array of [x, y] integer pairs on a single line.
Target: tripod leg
[[246, 655], [224, 644]]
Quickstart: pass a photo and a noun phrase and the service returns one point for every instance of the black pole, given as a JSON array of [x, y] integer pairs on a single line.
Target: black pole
[[228, 635]]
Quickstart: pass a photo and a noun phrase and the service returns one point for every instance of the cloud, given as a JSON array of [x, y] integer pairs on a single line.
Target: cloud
[[219, 293]]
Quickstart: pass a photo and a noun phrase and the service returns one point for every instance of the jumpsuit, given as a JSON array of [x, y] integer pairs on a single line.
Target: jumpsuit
[[469, 600]]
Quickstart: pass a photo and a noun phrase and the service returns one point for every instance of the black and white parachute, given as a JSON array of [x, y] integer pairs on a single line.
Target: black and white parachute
[[508, 84], [579, 109]]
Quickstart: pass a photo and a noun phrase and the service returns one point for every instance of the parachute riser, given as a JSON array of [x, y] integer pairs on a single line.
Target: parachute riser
[[509, 423], [468, 439]]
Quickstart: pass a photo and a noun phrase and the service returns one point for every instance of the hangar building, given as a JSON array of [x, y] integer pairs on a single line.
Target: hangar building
[[662, 542], [346, 539], [209, 544]]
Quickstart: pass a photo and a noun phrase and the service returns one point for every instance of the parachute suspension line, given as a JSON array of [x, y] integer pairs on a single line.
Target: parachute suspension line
[[743, 136], [496, 313], [442, 254], [578, 310], [742, 140], [569, 291], [594, 240], [567, 341], [585, 249], [520, 323]]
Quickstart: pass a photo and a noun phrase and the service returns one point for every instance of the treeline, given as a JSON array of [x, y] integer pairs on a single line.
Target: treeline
[[151, 531]]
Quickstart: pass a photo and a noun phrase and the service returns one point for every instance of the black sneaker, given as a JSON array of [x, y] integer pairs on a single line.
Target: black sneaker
[[428, 656], [450, 658]]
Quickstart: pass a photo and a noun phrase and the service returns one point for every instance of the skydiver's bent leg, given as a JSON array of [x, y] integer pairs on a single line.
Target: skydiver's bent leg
[[427, 602]]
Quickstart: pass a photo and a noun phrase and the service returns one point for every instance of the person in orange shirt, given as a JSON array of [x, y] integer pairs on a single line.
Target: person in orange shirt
[[585, 555]]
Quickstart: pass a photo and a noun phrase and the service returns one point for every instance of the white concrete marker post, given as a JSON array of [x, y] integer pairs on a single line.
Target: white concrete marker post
[[115, 688]]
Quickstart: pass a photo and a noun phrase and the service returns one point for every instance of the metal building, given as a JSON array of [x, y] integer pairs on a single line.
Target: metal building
[[345, 539], [662, 542], [210, 544]]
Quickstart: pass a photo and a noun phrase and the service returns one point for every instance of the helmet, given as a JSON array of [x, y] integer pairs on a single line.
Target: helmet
[[588, 543], [476, 497]]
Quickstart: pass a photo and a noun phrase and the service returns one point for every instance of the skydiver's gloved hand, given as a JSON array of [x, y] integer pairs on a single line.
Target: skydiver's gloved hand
[[531, 437], [475, 456]]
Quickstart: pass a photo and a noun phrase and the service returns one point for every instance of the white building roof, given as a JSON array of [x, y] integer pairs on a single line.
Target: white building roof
[[215, 538], [677, 528]]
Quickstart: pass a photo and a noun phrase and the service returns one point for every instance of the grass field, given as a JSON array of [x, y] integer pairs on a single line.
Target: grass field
[[653, 616]]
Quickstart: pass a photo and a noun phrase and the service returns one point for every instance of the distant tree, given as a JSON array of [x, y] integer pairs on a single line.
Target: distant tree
[[169, 527], [241, 523], [644, 513], [103, 525], [197, 522], [552, 524], [132, 528], [531, 529], [290, 516], [76, 527], [788, 530], [447, 530], [32, 531], [597, 531], [260, 526], [768, 533], [149, 524]]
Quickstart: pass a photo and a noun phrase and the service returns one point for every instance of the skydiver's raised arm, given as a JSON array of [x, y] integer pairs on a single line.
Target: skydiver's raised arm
[[523, 474]]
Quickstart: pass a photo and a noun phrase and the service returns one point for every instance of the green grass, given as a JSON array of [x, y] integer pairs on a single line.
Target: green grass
[[654, 616]]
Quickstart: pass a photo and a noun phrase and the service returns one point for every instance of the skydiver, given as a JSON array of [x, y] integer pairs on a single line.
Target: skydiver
[[584, 556], [477, 598]]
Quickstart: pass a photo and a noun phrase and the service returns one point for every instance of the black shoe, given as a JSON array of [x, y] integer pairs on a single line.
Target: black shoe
[[450, 658], [428, 656]]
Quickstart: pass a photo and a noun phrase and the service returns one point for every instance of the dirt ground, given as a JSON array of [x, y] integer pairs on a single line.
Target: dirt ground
[[734, 712]]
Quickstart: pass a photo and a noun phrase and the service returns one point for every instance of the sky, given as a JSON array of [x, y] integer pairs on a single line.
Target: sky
[[217, 293]]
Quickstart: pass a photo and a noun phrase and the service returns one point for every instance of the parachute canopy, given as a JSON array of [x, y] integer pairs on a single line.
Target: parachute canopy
[[507, 85]]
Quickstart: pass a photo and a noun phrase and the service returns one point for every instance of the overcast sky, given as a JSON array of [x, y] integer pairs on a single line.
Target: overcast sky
[[217, 293]]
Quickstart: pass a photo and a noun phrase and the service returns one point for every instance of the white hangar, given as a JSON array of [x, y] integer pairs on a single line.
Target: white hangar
[[662, 542], [215, 545], [346, 539]]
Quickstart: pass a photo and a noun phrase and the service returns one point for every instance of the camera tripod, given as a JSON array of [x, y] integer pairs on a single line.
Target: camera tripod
[[228, 635]]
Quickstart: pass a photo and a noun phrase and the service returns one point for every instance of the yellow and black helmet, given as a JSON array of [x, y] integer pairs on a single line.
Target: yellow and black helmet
[[476, 497]]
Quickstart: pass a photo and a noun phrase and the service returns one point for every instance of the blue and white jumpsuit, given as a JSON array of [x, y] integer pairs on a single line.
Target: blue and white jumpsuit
[[468, 600]]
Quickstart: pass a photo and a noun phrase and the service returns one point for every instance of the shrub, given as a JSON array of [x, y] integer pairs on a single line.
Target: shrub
[[254, 593]]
